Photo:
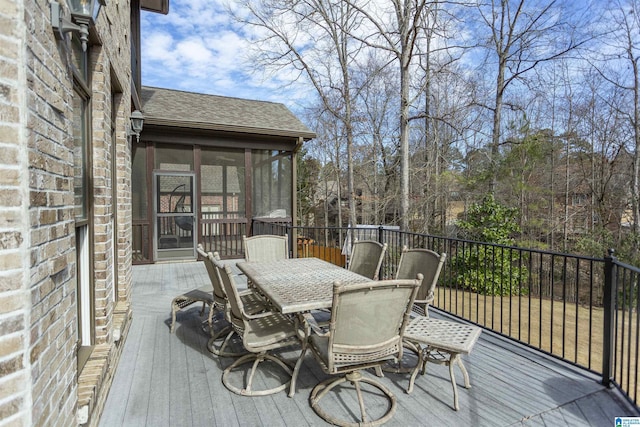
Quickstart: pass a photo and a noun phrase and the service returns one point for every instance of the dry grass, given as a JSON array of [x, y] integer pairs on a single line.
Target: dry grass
[[572, 332]]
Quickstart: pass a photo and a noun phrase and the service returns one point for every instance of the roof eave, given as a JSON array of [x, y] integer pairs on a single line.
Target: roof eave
[[230, 128], [158, 6]]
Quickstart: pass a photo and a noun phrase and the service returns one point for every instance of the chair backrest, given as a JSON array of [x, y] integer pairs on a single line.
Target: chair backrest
[[266, 247], [235, 303], [218, 291], [366, 258], [425, 262], [368, 321]]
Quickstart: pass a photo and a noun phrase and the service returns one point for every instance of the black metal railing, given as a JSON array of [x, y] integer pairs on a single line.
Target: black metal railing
[[580, 309], [621, 327]]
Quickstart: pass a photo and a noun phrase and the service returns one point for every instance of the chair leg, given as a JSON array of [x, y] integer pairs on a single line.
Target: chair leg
[[257, 358], [320, 390], [400, 368], [363, 412], [425, 359], [465, 374], [226, 332], [379, 372], [173, 317], [452, 360], [296, 369], [453, 384], [416, 369], [220, 352], [210, 319]]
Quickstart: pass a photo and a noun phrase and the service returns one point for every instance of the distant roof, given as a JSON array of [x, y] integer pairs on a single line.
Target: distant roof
[[200, 111]]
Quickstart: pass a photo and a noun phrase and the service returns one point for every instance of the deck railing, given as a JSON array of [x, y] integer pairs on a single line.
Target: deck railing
[[580, 309]]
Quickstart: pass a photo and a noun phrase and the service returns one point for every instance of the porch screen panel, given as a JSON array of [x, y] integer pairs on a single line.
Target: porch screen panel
[[170, 158], [141, 226], [222, 185], [222, 200], [272, 183], [139, 182]]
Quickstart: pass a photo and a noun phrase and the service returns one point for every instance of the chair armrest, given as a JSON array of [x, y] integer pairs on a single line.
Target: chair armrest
[[429, 300], [315, 326], [260, 315]]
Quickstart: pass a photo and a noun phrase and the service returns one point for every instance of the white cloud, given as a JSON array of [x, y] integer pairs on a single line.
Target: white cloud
[[158, 46], [196, 48]]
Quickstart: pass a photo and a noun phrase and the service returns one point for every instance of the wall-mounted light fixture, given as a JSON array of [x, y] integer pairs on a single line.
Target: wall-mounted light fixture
[[135, 127], [83, 14]]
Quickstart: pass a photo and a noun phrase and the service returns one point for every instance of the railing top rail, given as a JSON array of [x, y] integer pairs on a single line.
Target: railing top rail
[[625, 265], [224, 220], [456, 240]]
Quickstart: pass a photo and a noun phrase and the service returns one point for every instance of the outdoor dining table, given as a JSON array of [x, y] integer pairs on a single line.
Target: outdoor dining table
[[297, 286]]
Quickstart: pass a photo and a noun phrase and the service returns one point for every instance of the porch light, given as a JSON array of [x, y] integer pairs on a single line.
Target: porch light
[[137, 121], [83, 14]]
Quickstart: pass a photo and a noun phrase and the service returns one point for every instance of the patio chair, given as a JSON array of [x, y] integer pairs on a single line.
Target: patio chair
[[202, 294], [366, 258], [260, 333], [266, 247], [366, 329], [429, 264], [252, 301]]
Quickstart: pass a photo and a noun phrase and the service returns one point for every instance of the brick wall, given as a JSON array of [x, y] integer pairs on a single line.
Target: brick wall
[[14, 235], [39, 380], [52, 346]]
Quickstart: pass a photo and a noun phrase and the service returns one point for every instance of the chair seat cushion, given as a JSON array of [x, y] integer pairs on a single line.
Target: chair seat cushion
[[320, 347], [252, 302], [269, 332]]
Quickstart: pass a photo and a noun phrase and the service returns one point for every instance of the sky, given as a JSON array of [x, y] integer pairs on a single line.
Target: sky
[[198, 48]]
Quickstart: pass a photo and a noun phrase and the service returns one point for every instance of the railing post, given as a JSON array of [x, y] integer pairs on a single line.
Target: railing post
[[608, 342], [381, 241], [293, 240]]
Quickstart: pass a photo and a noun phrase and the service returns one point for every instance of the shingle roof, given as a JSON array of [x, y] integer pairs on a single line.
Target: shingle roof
[[200, 111]]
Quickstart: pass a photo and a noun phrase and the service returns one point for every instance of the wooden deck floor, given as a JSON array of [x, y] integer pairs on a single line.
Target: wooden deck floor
[[172, 380]]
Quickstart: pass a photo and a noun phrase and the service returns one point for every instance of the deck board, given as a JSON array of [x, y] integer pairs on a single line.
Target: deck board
[[172, 380], [160, 384]]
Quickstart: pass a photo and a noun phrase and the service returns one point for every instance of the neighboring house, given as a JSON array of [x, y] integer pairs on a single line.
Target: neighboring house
[[68, 212]]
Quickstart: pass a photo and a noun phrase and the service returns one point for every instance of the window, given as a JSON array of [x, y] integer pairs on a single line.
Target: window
[[82, 204], [80, 156]]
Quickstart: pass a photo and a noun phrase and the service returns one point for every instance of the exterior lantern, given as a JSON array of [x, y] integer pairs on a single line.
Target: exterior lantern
[[83, 14], [137, 121]]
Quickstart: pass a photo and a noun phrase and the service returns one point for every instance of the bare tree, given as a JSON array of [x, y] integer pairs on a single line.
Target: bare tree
[[376, 168], [621, 60], [313, 37], [396, 30], [521, 35]]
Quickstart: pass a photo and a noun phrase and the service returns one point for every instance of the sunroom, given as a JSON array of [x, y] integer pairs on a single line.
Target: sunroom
[[204, 167]]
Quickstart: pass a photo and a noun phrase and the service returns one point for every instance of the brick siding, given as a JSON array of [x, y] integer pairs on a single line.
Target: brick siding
[[39, 380]]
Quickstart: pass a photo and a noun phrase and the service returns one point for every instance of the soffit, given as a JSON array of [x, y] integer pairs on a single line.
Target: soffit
[[159, 6]]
